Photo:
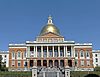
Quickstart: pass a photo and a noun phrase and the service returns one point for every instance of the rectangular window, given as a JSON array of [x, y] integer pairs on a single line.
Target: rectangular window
[[95, 55], [45, 53], [96, 65], [88, 63], [87, 54], [56, 53], [25, 63], [13, 63], [61, 53], [69, 51], [82, 54], [32, 48], [19, 63], [96, 59], [39, 53], [82, 62], [50, 53], [76, 54], [5, 56]]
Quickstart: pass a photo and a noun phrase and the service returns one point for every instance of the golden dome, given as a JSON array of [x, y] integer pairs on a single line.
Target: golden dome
[[50, 27]]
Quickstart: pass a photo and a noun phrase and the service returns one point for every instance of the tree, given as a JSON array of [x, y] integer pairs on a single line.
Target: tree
[[0, 60]]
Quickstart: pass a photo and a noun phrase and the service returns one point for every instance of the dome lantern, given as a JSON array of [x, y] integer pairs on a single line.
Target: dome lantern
[[49, 20], [50, 27]]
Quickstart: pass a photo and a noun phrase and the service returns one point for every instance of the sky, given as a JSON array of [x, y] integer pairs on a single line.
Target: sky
[[22, 20]]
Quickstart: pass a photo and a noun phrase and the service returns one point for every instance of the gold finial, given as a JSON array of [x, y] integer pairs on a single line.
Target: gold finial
[[50, 20]]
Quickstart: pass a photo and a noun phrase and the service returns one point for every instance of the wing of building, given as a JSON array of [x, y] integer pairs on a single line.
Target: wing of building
[[5, 58], [50, 49], [96, 58]]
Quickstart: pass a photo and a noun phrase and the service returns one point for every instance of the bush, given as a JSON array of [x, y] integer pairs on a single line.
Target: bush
[[97, 69], [4, 69]]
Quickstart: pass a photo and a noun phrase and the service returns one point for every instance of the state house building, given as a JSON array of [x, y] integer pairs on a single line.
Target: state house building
[[50, 49]]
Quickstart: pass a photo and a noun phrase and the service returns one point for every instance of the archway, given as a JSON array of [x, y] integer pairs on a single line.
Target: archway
[[45, 63], [50, 63], [31, 63], [70, 63], [56, 63], [62, 63], [38, 63]]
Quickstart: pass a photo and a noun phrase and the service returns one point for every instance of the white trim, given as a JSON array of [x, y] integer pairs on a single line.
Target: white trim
[[83, 47], [17, 47]]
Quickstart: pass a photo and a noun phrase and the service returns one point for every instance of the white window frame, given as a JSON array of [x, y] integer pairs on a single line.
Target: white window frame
[[87, 52], [18, 55], [13, 63], [76, 53], [82, 52], [19, 62], [82, 62], [88, 62], [13, 55]]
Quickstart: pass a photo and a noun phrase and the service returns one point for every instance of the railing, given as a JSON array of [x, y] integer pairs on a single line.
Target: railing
[[50, 72]]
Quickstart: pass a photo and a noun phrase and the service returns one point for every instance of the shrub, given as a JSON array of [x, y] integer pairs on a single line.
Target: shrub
[[97, 69]]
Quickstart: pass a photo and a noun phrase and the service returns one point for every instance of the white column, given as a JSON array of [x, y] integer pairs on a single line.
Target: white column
[[72, 51], [47, 52], [28, 50], [36, 51], [67, 71], [58, 51], [57, 73], [34, 71], [43, 73], [64, 51], [41, 51], [53, 51]]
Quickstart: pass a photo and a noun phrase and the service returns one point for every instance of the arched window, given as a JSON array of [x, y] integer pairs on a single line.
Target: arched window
[[76, 53], [87, 54], [82, 53], [19, 54], [13, 54]]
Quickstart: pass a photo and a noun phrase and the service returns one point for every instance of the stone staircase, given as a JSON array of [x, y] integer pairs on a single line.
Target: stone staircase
[[50, 72]]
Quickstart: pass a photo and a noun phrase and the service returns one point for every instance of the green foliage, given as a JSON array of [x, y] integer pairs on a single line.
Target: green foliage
[[97, 69], [29, 74], [15, 74], [0, 60], [4, 69], [83, 73]]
